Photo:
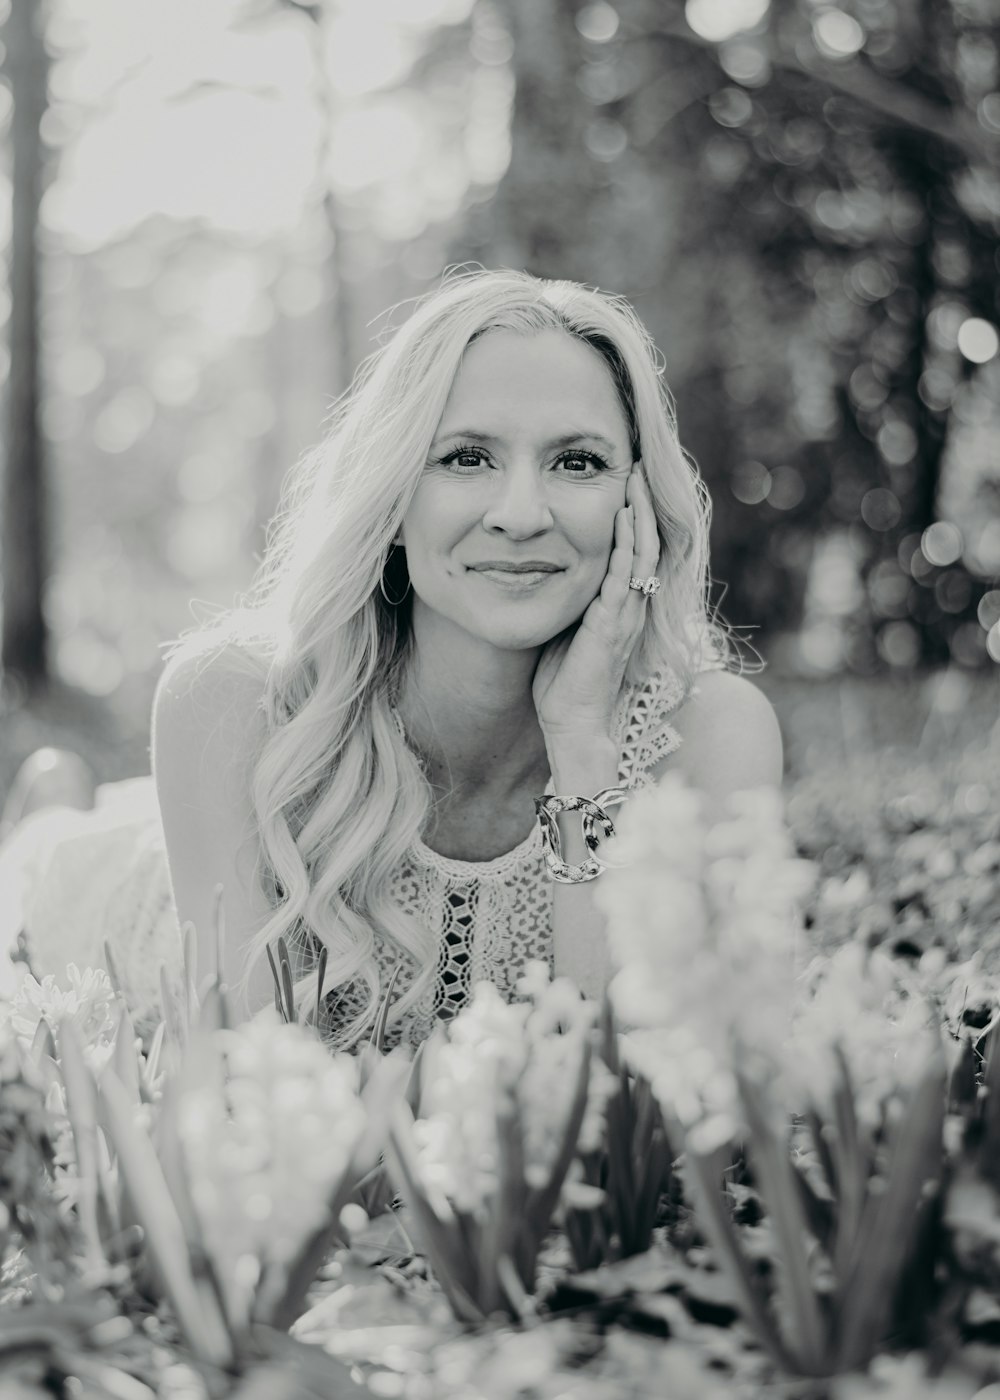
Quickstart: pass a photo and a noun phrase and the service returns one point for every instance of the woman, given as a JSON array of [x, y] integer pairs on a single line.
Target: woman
[[488, 588]]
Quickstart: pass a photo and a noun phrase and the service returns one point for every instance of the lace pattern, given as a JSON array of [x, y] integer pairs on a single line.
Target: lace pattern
[[93, 877], [491, 918]]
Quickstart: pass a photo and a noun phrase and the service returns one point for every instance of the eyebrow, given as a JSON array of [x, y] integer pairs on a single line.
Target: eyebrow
[[566, 440]]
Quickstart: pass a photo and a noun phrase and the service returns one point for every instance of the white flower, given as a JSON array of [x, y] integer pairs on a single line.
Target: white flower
[[89, 1001], [858, 1000], [703, 924], [500, 1063], [266, 1146]]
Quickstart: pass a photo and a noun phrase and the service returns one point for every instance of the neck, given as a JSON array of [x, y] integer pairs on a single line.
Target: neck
[[468, 710]]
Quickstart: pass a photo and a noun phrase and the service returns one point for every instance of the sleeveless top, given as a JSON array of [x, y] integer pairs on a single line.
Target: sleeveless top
[[86, 878]]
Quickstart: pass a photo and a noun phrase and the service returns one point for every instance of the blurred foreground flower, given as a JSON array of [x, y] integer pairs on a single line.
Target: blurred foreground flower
[[508, 1098], [88, 1001], [704, 923], [619, 1182], [268, 1123]]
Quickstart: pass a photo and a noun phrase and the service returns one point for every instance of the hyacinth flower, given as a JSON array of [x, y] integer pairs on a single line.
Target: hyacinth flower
[[629, 1171], [507, 1100], [375, 1192], [703, 924], [261, 1139]]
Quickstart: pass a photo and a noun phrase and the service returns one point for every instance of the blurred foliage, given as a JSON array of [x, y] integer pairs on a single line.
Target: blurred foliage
[[804, 211], [806, 214]]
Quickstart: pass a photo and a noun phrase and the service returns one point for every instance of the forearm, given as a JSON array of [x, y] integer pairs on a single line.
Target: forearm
[[580, 769]]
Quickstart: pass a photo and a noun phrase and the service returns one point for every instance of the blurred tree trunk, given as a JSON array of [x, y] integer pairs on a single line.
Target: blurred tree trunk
[[23, 646], [321, 12], [545, 193]]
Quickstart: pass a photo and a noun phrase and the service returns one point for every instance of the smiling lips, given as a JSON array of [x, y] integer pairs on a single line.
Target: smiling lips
[[519, 577], [529, 566]]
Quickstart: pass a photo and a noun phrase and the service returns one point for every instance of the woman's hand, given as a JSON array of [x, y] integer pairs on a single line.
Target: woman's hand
[[580, 673]]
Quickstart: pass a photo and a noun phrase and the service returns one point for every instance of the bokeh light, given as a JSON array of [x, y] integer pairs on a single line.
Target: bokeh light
[[750, 483], [717, 20], [880, 509], [837, 34], [942, 543], [597, 22], [993, 642], [977, 340], [899, 644]]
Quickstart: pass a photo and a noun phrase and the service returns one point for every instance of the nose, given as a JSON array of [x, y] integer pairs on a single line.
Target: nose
[[519, 504]]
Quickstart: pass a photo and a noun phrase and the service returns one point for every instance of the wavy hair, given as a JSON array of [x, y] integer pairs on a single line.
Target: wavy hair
[[338, 796]]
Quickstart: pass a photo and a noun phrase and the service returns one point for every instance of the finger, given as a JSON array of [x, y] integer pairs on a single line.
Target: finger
[[646, 532], [615, 586]]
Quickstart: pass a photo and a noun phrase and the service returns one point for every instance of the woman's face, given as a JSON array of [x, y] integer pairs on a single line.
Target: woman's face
[[527, 468]]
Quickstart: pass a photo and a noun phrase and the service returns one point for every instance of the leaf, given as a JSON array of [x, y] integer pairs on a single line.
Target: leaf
[[502, 1228], [81, 1108], [125, 1060], [219, 933], [324, 956], [818, 1212], [287, 988], [776, 1183], [328, 1378], [214, 1013], [383, 1091], [176, 1027], [279, 993], [42, 1042], [819, 1140], [150, 1069], [377, 1039], [886, 1236], [200, 1323], [441, 1237], [542, 1203], [853, 1165], [203, 1062], [113, 975], [188, 941], [705, 1173]]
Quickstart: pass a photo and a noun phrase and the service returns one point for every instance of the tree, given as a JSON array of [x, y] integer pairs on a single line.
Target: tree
[[23, 646], [792, 208]]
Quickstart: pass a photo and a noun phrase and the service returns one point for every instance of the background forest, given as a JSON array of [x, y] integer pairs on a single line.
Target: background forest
[[211, 203]]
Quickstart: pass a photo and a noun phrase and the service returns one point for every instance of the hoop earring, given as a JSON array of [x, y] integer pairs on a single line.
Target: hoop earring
[[393, 602]]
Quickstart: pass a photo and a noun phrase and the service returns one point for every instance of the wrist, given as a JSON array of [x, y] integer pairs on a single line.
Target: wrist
[[583, 764]]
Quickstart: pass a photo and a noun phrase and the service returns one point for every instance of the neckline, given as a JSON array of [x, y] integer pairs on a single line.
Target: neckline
[[451, 865], [531, 846]]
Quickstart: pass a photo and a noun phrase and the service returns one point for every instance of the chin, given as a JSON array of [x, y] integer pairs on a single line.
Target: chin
[[515, 636]]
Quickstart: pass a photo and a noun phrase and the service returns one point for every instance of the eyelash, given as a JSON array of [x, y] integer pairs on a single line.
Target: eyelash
[[471, 449]]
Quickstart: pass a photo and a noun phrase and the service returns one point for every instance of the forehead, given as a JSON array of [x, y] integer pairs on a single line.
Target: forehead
[[547, 372]]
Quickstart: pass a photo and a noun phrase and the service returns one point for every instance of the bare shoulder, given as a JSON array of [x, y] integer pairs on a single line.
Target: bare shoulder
[[730, 736], [207, 712]]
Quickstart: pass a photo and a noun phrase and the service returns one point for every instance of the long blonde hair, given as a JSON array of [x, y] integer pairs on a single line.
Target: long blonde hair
[[338, 796]]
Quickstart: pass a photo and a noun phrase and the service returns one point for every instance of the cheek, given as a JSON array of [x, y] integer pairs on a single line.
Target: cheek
[[594, 533]]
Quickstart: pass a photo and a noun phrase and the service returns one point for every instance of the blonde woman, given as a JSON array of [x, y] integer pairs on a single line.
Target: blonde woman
[[487, 590]]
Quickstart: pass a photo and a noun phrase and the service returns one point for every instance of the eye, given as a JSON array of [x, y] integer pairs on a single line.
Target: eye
[[583, 463], [467, 458]]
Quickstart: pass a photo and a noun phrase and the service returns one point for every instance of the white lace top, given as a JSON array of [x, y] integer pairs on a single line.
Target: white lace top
[[86, 877]]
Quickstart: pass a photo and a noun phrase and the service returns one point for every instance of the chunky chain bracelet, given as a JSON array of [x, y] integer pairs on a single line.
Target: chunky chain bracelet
[[595, 819]]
